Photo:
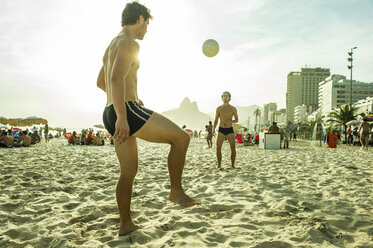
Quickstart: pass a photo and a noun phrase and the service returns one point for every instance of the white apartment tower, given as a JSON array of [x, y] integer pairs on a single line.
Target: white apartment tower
[[303, 89], [334, 92], [267, 108]]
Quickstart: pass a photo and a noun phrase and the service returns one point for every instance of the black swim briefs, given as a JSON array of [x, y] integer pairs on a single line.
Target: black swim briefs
[[226, 131], [136, 117]]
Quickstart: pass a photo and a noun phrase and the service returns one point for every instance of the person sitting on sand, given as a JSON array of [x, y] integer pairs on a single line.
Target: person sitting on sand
[[6, 140], [225, 113], [97, 140], [364, 136], [25, 138], [35, 138], [273, 128], [75, 138]]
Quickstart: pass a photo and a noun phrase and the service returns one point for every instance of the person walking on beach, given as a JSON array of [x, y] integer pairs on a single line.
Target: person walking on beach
[[126, 118], [46, 131], [225, 113], [209, 130], [364, 136]]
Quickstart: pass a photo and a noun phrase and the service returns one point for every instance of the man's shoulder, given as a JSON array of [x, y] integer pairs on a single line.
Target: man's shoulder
[[127, 43]]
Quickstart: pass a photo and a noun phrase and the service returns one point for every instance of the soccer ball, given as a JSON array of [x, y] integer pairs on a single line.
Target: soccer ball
[[210, 48]]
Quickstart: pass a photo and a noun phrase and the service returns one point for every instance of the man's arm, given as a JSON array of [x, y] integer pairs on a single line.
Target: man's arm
[[235, 115], [217, 115], [101, 80], [123, 61]]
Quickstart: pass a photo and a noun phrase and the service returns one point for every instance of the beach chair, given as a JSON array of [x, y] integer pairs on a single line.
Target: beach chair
[[69, 137], [239, 138]]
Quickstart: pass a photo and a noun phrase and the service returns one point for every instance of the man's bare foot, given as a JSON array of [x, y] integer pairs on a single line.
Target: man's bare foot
[[179, 197], [125, 229]]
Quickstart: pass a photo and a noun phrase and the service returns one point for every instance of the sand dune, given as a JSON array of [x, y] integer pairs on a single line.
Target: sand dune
[[56, 195]]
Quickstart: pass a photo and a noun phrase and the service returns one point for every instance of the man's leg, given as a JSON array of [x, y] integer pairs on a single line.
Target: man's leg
[[366, 141], [362, 141], [219, 144], [127, 156], [159, 129], [232, 144]]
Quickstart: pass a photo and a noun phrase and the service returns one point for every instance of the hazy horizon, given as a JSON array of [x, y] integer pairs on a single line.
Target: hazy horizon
[[51, 52]]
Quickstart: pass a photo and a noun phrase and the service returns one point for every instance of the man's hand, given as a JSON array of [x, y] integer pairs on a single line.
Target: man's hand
[[122, 130], [141, 103]]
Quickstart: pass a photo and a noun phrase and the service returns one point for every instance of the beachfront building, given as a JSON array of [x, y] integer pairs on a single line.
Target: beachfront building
[[315, 115], [334, 92], [266, 112], [303, 88], [301, 113], [365, 105]]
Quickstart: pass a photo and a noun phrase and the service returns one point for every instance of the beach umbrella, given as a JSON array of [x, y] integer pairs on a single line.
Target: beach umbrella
[[99, 126], [369, 117], [13, 122], [33, 120], [3, 120], [354, 122]]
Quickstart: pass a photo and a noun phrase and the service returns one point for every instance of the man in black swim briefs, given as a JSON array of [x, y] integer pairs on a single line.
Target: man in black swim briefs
[[126, 118], [225, 113]]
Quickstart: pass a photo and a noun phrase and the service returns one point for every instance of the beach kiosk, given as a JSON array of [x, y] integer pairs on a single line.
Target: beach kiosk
[[269, 140]]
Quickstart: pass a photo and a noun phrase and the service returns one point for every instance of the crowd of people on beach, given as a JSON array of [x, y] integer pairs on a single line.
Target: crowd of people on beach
[[87, 137], [16, 137]]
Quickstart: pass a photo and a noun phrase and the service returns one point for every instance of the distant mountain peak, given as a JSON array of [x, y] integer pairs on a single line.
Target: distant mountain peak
[[185, 102]]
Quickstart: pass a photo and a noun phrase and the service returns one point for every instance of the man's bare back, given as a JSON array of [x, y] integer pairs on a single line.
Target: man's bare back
[[122, 43], [365, 126]]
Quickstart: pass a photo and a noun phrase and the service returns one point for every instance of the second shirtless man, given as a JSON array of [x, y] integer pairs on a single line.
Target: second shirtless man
[[225, 113]]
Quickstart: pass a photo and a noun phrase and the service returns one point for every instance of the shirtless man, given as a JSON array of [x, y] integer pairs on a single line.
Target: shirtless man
[[209, 130], [126, 119], [364, 137], [46, 133], [26, 140], [225, 112], [6, 140]]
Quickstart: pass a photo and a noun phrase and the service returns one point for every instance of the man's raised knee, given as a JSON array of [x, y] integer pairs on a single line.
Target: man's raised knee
[[185, 138]]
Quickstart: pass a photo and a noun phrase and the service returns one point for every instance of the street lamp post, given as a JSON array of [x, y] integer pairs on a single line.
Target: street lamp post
[[350, 59]]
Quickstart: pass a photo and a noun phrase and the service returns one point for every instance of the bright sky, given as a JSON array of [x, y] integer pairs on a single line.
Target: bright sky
[[51, 52]]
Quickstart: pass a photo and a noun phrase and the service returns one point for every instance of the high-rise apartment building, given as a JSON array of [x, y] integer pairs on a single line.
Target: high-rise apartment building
[[266, 110], [334, 92], [303, 89]]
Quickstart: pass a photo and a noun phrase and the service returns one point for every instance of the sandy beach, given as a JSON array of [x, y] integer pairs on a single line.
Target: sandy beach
[[57, 195]]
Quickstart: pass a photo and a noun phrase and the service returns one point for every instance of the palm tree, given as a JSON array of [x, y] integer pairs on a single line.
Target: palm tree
[[343, 115], [257, 113]]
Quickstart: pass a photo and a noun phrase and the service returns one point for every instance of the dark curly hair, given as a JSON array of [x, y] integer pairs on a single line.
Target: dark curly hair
[[132, 13]]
